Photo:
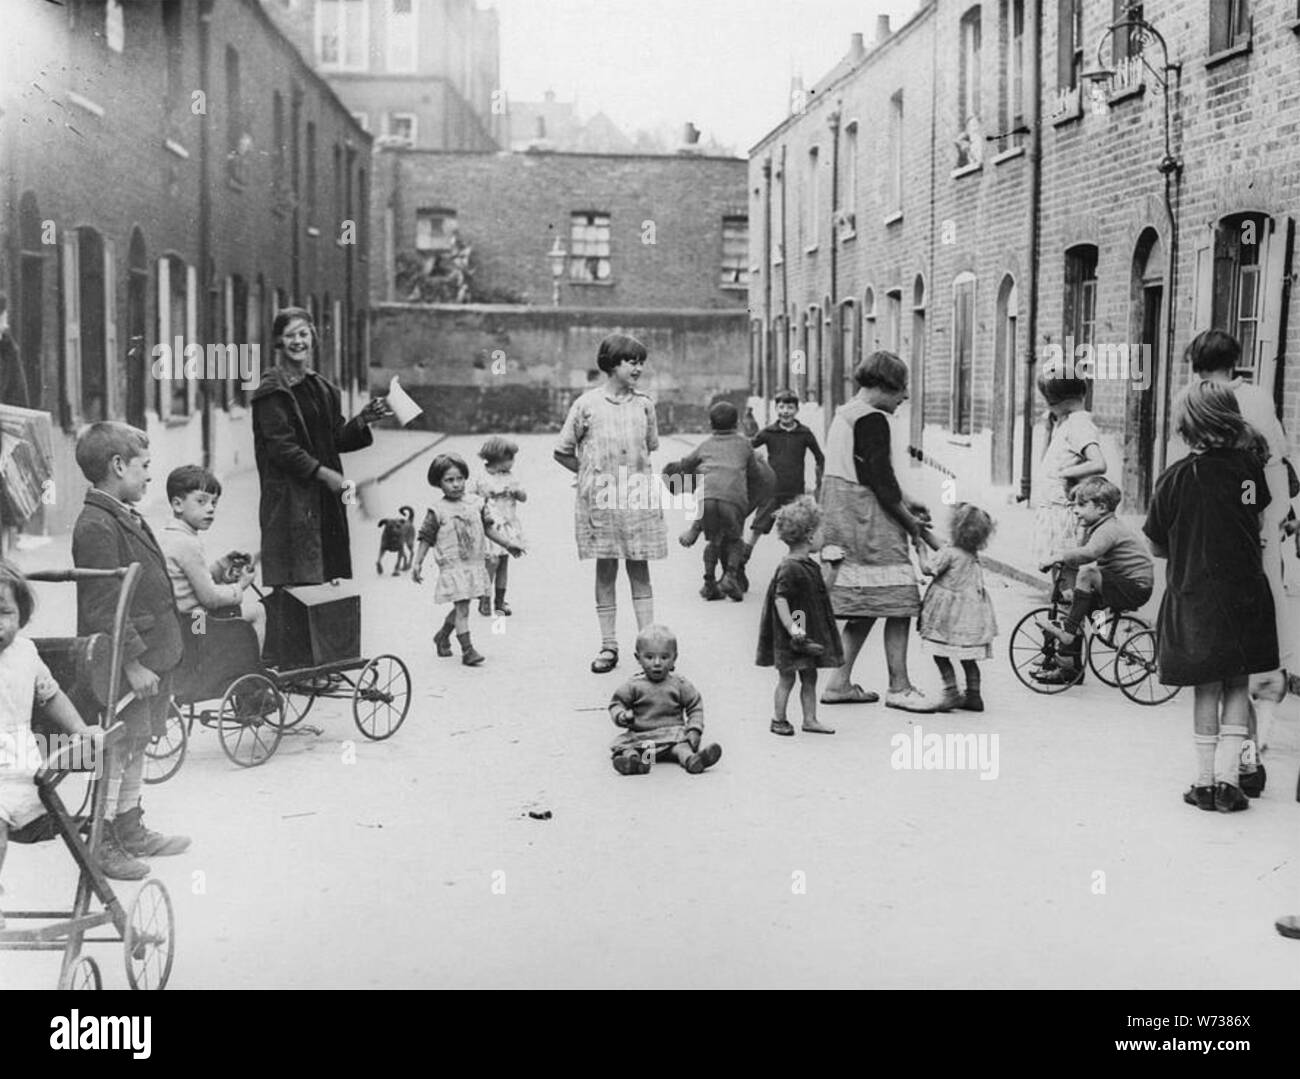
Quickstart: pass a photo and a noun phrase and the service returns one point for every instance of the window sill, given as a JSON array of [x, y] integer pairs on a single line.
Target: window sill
[[174, 147], [729, 287], [1009, 155], [847, 235], [893, 219], [313, 231], [1224, 55], [966, 170], [811, 250], [960, 440], [591, 284], [1067, 118], [1127, 93]]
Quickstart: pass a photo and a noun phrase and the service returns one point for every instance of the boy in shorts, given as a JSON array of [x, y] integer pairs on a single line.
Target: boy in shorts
[[1116, 571]]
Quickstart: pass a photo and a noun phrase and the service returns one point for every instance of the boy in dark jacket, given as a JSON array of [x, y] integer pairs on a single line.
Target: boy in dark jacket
[[729, 473], [110, 534], [788, 442]]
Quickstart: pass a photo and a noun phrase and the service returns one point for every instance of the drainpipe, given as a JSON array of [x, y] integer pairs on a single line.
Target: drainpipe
[[765, 356], [1172, 168], [1035, 231], [205, 220], [833, 122], [785, 266], [1283, 323]]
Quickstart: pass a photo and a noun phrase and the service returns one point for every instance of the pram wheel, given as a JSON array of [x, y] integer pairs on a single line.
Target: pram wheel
[[83, 974], [165, 754], [250, 720], [149, 942], [381, 697]]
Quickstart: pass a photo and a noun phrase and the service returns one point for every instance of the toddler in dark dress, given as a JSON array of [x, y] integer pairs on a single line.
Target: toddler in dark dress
[[797, 633], [1216, 625]]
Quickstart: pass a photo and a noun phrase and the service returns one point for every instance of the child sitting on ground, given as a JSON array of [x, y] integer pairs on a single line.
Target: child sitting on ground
[[221, 587], [1115, 571], [397, 534], [651, 706], [24, 681], [728, 471], [797, 632]]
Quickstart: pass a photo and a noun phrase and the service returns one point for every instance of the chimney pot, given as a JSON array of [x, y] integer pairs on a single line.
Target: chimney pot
[[882, 28], [856, 48]]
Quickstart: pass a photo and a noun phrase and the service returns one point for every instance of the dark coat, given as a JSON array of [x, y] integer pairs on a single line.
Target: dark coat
[[108, 536], [304, 526]]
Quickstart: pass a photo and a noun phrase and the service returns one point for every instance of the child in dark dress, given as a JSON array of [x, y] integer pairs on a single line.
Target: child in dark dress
[[797, 632], [1216, 625]]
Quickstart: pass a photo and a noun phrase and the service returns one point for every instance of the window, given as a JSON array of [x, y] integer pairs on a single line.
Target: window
[[894, 320], [812, 224], [869, 340], [735, 251], [277, 147], [435, 230], [114, 25], [342, 35], [1126, 44], [1080, 307], [401, 127], [896, 151], [402, 35], [177, 314], [1069, 58], [363, 119], [963, 351], [310, 195], [850, 203], [237, 141], [1229, 24], [171, 20], [1237, 269], [589, 247], [970, 140], [1011, 85]]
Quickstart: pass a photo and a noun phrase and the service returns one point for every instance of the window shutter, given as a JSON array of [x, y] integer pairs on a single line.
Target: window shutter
[[111, 360], [1273, 259], [191, 330], [1203, 287], [72, 327], [166, 335]]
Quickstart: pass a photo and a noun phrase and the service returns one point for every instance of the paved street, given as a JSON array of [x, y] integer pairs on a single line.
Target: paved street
[[807, 861]]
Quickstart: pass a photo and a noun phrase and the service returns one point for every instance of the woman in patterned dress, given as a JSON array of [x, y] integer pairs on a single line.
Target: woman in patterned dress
[[607, 440]]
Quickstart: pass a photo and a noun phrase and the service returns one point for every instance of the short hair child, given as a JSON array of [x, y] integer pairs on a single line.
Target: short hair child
[[724, 416], [785, 397], [181, 481], [883, 370], [444, 463], [99, 443], [497, 449], [661, 712], [616, 348], [972, 527], [1098, 490], [798, 521], [1213, 350]]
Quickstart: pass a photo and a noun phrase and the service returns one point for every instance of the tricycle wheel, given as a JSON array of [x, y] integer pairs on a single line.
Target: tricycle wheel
[[149, 942], [165, 754], [381, 697], [250, 720], [83, 974], [1032, 649], [1136, 666]]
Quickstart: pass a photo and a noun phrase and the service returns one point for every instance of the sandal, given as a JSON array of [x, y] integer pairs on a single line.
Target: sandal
[[782, 727], [605, 661], [855, 695], [812, 726]]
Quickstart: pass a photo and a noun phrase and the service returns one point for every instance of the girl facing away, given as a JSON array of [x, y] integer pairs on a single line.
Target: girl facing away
[[1216, 624], [500, 490], [607, 439], [797, 632], [957, 620], [457, 530]]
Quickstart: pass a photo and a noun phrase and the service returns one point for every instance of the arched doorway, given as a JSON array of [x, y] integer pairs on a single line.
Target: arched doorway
[[137, 350], [94, 308], [1142, 409], [1004, 381]]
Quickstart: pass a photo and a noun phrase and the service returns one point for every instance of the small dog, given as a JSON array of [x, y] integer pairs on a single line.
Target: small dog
[[397, 534]]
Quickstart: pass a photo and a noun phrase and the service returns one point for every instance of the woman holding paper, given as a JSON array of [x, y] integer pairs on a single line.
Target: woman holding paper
[[298, 436]]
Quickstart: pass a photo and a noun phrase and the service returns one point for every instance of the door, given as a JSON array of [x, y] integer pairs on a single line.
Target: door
[[1148, 431]]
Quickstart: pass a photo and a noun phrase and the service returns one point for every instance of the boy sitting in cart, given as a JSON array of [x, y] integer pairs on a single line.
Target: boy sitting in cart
[[219, 588], [24, 681]]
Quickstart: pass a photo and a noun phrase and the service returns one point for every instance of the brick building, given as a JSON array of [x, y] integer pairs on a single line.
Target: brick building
[[171, 169], [652, 245], [418, 73], [896, 207]]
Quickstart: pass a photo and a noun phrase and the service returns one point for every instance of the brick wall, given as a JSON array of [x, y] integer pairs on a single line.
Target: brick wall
[[510, 207], [485, 368]]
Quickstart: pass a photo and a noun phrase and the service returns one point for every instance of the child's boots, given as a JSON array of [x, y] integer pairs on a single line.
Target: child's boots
[[740, 558], [442, 639], [469, 655], [502, 607]]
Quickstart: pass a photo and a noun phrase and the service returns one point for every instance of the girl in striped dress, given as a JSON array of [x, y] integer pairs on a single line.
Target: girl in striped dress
[[607, 440]]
